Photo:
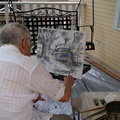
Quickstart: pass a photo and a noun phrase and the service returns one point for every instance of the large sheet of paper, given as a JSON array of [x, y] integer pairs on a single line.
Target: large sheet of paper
[[61, 51]]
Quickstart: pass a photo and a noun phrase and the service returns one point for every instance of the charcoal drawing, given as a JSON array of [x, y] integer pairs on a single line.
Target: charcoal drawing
[[61, 51]]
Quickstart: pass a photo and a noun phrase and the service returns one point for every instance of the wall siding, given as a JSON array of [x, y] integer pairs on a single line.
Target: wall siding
[[106, 39]]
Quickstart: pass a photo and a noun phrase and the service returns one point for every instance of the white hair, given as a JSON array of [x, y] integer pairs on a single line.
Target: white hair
[[13, 33]]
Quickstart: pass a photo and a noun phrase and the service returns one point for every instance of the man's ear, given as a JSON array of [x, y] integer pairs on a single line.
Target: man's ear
[[24, 42]]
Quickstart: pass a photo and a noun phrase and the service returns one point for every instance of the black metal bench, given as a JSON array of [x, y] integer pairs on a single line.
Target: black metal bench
[[46, 17], [50, 18]]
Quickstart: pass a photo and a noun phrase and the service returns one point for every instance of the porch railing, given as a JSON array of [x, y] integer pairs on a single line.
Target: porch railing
[[5, 11]]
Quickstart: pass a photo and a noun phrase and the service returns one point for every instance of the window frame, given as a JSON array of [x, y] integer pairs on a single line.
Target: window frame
[[116, 25]]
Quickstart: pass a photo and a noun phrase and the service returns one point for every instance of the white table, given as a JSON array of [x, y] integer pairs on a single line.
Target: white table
[[85, 102]]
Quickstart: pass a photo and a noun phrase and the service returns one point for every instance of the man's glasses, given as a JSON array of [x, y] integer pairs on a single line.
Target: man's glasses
[[32, 45]]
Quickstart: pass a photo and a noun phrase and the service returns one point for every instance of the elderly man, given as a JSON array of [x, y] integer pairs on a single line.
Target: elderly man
[[22, 78]]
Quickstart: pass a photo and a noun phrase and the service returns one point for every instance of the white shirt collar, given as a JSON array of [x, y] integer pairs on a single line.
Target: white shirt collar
[[9, 47]]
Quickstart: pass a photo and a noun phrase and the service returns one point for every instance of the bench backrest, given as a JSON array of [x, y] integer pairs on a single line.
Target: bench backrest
[[47, 17]]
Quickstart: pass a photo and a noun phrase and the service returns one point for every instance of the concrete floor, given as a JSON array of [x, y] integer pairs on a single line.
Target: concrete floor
[[94, 80]]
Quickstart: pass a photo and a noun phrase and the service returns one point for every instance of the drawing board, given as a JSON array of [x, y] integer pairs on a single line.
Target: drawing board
[[61, 51]]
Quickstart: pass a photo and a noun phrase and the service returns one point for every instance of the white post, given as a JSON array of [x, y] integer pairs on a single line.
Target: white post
[[6, 14]]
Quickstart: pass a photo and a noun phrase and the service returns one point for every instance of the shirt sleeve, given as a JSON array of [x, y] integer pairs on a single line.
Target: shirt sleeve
[[41, 81]]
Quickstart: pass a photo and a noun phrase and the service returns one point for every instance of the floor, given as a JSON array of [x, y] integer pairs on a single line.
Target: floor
[[94, 80]]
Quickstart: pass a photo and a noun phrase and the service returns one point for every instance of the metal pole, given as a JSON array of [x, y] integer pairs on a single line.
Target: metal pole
[[10, 3]]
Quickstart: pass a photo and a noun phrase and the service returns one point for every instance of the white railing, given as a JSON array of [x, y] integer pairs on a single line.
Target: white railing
[[70, 6]]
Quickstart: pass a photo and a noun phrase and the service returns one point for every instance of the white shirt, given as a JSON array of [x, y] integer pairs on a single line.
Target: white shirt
[[21, 80]]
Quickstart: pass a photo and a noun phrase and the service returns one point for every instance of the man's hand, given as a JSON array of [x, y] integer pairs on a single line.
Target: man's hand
[[38, 98], [69, 81]]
